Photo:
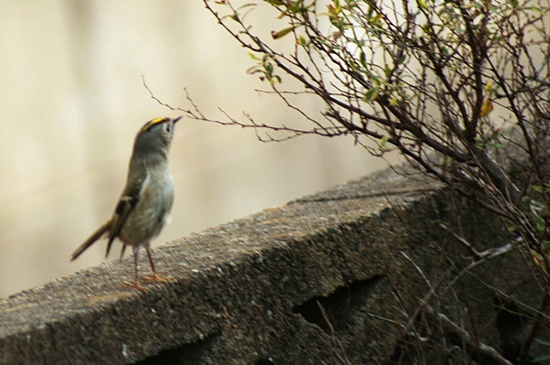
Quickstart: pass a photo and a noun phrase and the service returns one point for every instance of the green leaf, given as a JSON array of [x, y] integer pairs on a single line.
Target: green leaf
[[375, 20], [375, 80], [477, 5], [540, 223], [274, 2], [371, 95], [294, 8], [363, 59], [370, 11], [542, 189], [383, 142], [253, 56], [402, 58], [354, 65], [246, 6], [281, 33], [531, 8], [395, 101], [253, 70]]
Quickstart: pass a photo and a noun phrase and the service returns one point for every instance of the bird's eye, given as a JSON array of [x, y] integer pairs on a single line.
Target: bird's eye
[[167, 127]]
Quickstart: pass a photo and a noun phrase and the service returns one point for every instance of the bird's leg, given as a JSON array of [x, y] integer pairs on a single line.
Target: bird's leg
[[135, 284], [122, 251], [155, 276]]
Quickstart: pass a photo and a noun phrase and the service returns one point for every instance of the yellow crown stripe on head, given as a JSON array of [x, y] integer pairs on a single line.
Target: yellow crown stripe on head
[[152, 123]]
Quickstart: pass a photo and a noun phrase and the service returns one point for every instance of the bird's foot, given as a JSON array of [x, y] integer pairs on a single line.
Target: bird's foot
[[135, 285], [156, 278]]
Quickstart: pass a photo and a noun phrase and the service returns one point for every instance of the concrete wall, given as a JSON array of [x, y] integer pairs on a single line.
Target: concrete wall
[[327, 277]]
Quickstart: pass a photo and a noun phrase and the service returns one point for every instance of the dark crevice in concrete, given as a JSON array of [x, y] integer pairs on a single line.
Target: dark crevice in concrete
[[511, 324], [338, 308], [186, 354]]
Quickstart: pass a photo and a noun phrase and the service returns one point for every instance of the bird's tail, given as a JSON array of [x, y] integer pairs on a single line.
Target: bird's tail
[[90, 241]]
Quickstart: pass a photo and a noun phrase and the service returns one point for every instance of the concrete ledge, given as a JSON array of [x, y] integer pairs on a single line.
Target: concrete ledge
[[250, 291]]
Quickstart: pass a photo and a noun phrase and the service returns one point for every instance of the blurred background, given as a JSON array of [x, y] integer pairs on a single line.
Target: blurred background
[[72, 100]]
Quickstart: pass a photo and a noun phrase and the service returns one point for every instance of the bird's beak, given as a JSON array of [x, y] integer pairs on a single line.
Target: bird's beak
[[175, 120]]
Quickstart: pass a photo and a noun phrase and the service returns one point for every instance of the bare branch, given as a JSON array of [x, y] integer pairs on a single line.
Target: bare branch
[[458, 336]]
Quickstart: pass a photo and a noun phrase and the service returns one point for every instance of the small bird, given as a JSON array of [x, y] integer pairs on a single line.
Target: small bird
[[145, 203]]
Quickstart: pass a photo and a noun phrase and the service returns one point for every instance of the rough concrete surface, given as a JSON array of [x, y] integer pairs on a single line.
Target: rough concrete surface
[[322, 278]]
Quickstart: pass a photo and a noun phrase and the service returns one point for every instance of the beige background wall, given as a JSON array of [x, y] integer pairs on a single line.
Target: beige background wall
[[72, 99]]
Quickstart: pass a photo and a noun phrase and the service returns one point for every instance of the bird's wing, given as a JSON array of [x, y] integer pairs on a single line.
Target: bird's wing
[[125, 206], [94, 237]]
